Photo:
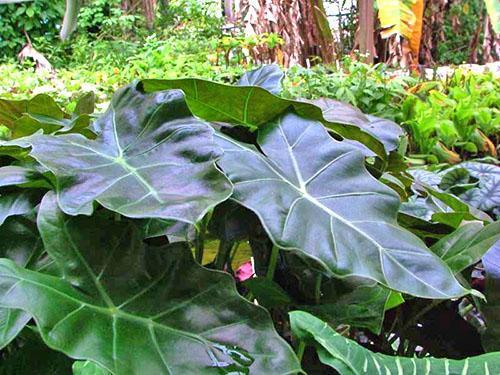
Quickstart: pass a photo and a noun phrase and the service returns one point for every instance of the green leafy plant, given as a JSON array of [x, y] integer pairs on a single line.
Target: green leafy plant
[[454, 118], [370, 88], [107, 223], [38, 18]]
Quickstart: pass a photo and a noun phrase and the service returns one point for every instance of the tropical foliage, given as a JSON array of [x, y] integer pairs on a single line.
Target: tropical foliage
[[107, 221]]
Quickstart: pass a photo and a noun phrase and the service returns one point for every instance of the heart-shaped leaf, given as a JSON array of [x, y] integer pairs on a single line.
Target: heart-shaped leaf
[[152, 159], [349, 358], [325, 204], [157, 303]]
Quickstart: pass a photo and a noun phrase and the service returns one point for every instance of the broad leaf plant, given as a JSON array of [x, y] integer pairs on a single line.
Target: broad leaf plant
[[119, 233]]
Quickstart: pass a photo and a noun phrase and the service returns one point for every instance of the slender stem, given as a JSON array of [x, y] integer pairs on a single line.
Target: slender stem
[[223, 254], [200, 240], [317, 288], [273, 260], [300, 350]]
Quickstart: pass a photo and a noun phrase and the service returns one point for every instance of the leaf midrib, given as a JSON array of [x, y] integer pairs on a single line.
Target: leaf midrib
[[112, 312], [314, 201]]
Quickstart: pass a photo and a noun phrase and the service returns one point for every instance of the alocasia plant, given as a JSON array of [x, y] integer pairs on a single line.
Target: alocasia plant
[[346, 213], [109, 229], [143, 139]]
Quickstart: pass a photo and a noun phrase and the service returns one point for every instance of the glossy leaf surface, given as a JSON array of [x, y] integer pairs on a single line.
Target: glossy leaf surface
[[325, 204], [18, 203], [252, 107], [465, 246], [348, 357], [150, 160], [388, 132], [147, 310], [16, 175], [22, 244], [88, 368]]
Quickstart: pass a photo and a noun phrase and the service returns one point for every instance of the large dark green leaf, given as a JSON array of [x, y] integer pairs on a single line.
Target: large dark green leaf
[[268, 77], [325, 204], [466, 245], [139, 309], [22, 244], [150, 160], [491, 310], [253, 107], [348, 357]]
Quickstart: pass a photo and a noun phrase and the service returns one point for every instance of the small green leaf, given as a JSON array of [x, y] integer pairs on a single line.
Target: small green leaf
[[456, 176], [466, 245], [22, 203], [267, 292]]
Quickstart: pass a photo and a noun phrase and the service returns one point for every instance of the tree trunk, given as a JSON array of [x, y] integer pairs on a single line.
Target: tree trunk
[[491, 43], [302, 25], [366, 30], [148, 8]]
